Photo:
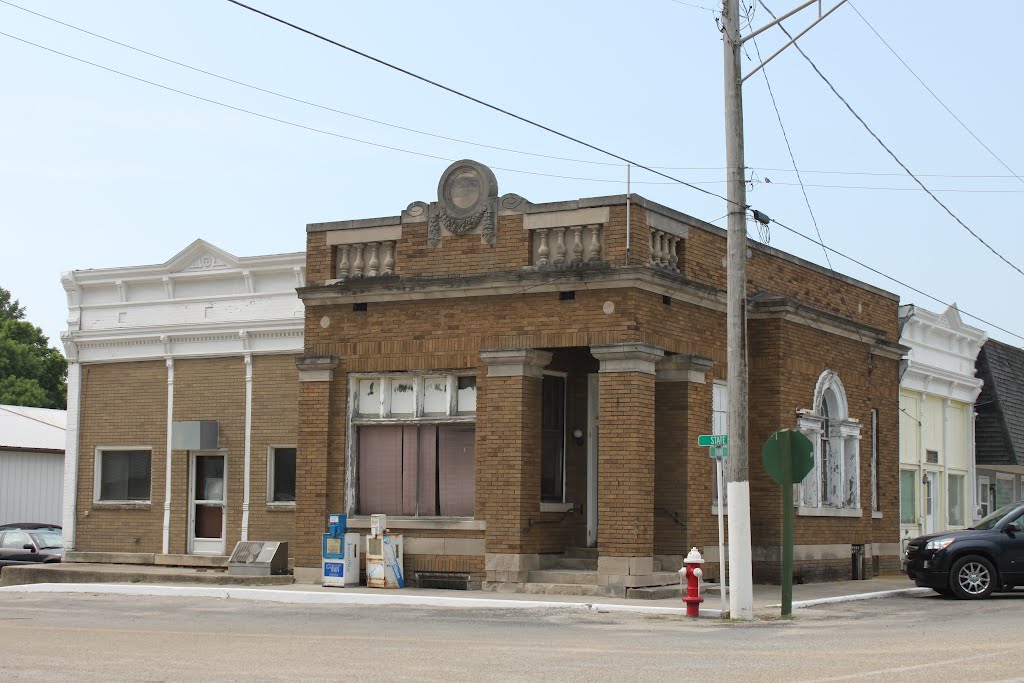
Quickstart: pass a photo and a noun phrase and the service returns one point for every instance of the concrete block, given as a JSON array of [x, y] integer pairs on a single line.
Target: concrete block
[[613, 565], [424, 546], [641, 565], [511, 562], [465, 546]]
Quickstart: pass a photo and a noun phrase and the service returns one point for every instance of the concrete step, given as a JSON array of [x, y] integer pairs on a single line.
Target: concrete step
[[562, 589], [562, 562], [655, 592], [207, 561], [110, 558], [564, 576], [171, 560], [586, 553], [655, 579], [105, 573]]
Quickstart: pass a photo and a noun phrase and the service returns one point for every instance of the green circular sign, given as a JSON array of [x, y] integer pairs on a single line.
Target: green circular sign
[[788, 452]]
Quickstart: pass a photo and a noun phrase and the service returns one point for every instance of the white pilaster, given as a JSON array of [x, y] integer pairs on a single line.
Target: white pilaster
[[69, 516], [248, 446], [167, 476]]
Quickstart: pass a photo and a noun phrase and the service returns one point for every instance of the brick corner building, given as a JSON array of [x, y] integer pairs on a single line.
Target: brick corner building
[[521, 392]]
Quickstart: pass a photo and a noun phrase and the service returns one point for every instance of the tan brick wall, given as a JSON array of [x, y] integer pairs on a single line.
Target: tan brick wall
[[126, 404], [210, 389], [122, 404], [703, 262], [311, 471], [626, 465], [319, 259], [508, 459], [275, 406]]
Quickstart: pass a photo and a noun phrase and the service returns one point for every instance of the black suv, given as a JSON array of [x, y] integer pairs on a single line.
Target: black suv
[[974, 562]]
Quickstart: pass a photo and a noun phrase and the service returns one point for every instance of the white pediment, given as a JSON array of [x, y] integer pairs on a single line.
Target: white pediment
[[201, 256]]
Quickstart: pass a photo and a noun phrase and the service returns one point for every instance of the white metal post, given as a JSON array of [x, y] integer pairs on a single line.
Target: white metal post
[[722, 562], [741, 593]]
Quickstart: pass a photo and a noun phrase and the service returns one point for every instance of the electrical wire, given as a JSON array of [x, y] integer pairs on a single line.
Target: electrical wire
[[886, 147], [932, 93], [485, 145], [477, 100], [893, 279], [312, 128], [690, 4], [306, 102]]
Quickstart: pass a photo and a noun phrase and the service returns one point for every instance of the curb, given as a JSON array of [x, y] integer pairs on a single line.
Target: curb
[[391, 598], [857, 596], [310, 597]]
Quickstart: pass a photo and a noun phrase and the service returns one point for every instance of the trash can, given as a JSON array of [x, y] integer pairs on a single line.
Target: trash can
[[857, 558]]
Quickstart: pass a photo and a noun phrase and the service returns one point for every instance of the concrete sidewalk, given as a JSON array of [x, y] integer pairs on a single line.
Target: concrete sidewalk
[[153, 581]]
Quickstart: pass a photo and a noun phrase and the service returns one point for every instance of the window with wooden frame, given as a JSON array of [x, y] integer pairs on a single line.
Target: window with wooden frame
[[834, 483], [413, 442]]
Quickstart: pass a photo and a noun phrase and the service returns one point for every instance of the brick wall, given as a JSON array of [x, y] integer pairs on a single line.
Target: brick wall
[[122, 404], [275, 406], [626, 465]]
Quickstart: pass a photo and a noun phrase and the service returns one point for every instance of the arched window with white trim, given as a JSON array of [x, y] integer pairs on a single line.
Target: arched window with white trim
[[835, 480]]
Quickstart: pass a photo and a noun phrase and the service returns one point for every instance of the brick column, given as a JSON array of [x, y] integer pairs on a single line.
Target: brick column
[[508, 432], [315, 376], [682, 405], [625, 537]]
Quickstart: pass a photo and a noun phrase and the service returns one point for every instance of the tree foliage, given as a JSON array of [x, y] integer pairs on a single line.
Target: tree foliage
[[32, 373]]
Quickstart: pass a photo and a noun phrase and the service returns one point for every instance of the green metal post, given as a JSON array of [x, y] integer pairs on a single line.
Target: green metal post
[[787, 523]]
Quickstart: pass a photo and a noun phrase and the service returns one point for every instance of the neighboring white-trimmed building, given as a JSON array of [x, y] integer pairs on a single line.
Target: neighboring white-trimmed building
[[216, 319], [938, 390], [999, 437], [31, 464]]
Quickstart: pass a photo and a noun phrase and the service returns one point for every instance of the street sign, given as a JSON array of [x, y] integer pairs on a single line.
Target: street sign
[[713, 440], [792, 445], [719, 452], [787, 458]]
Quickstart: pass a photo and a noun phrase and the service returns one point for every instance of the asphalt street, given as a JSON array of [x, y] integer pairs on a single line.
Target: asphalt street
[[58, 637]]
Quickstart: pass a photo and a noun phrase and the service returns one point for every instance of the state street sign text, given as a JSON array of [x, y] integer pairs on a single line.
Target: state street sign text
[[713, 440]]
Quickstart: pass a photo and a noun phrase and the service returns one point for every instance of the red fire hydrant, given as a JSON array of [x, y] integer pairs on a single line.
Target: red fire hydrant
[[693, 572]]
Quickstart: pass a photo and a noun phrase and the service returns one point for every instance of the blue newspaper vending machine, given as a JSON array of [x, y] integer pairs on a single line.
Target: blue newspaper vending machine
[[340, 554]]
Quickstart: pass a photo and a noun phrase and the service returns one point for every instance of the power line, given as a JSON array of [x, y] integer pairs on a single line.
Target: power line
[[893, 279], [690, 4], [886, 148], [499, 148], [476, 100], [309, 128], [936, 97], [302, 101], [892, 189]]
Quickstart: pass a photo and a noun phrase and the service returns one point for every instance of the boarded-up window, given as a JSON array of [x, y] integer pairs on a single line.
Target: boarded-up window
[[425, 470], [124, 475], [908, 497]]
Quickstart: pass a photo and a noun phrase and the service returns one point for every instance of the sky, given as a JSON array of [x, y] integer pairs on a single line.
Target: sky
[[99, 170]]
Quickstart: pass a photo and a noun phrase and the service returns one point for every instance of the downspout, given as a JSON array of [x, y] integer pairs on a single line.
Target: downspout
[[166, 545], [248, 446], [69, 513]]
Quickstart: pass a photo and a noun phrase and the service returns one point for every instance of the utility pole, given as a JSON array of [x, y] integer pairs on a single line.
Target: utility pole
[[741, 585]]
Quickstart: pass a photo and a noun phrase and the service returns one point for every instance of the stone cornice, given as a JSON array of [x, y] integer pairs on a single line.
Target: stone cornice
[[515, 362], [373, 290], [628, 357], [683, 368]]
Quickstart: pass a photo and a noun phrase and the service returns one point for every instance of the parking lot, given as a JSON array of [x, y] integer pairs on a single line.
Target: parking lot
[[91, 637]]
